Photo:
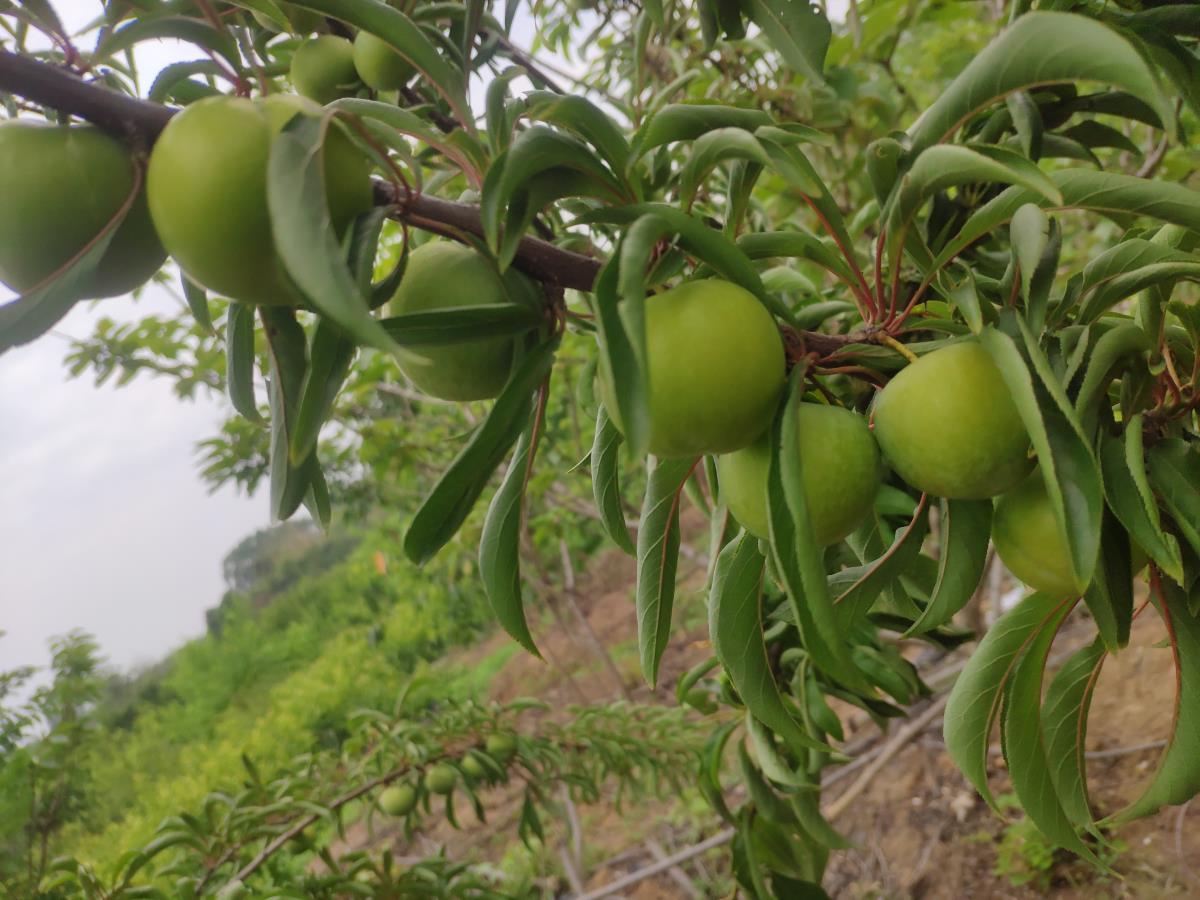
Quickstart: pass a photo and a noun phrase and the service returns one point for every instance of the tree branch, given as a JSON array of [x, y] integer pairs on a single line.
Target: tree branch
[[141, 121]]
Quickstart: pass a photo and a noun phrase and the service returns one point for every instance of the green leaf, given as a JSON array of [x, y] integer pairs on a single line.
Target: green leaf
[[657, 558], [304, 235], [1040, 48], [1127, 489], [1024, 741], [1111, 350], [797, 31], [797, 559], [452, 498], [457, 324], [735, 626], [962, 555], [798, 244], [963, 292], [500, 542], [286, 354], [619, 362], [463, 150], [330, 356], [1029, 233], [974, 703], [191, 31], [606, 486], [239, 360], [688, 121], [707, 244], [1177, 778], [709, 151], [860, 586], [1064, 724], [197, 302], [1109, 597], [1105, 192], [1092, 134], [1175, 475], [537, 150], [1027, 120], [407, 38], [1067, 465], [950, 165], [586, 120]]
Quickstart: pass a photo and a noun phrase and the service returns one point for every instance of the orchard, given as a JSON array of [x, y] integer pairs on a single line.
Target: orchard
[[868, 329]]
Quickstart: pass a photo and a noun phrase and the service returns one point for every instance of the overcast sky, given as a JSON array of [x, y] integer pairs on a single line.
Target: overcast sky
[[105, 524]]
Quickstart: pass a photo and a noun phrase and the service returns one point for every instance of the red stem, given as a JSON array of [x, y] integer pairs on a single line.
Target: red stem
[[862, 290]]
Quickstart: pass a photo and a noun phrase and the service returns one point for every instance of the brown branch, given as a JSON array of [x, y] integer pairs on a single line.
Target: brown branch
[[301, 825], [141, 121]]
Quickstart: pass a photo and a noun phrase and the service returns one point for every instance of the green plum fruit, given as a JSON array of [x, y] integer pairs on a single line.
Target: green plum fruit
[[398, 800], [59, 186], [323, 69], [442, 274], [842, 472], [948, 425], [1028, 540], [440, 778], [716, 366], [379, 65], [502, 746], [207, 189], [473, 769]]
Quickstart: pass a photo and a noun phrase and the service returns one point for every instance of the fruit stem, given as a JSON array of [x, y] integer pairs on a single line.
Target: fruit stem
[[890, 341]]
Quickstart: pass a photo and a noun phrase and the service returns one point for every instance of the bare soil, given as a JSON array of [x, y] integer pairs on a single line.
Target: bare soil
[[920, 830]]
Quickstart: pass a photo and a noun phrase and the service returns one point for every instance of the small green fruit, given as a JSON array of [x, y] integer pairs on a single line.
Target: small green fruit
[[473, 769], [442, 274], [440, 778], [1029, 541], [323, 69], [378, 63], [59, 187], [501, 746], [842, 472], [716, 369], [398, 800], [207, 190], [948, 425]]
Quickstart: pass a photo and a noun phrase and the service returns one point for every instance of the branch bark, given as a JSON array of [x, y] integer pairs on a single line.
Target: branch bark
[[139, 122]]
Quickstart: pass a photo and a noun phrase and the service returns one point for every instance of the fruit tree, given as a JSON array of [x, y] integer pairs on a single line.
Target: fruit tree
[[864, 313]]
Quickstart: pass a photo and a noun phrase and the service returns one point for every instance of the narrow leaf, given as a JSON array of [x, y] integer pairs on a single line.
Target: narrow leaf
[[500, 543], [452, 498], [735, 627], [974, 703], [963, 545], [657, 558], [606, 486]]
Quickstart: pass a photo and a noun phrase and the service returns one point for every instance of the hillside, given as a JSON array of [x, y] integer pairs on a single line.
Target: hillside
[[326, 627]]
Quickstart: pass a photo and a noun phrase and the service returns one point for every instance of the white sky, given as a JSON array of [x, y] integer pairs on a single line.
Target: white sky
[[104, 522]]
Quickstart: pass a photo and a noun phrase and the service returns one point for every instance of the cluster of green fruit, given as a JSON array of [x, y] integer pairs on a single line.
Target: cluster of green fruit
[[946, 424], [442, 777]]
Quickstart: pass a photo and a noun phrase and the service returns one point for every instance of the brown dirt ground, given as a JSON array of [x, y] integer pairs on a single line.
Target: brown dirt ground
[[919, 828]]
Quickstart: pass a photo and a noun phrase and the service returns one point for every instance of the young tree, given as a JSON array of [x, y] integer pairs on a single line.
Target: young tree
[[864, 352]]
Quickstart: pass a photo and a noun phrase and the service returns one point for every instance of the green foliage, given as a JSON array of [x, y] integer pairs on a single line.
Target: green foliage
[[917, 177]]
